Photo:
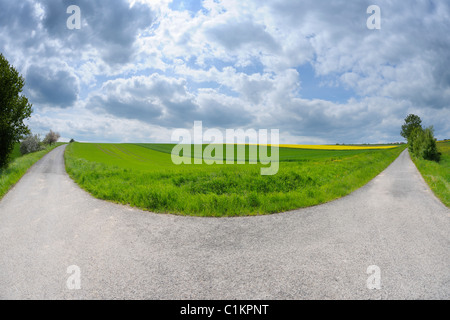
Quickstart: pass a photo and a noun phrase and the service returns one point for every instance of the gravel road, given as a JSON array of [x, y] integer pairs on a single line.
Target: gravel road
[[47, 223]]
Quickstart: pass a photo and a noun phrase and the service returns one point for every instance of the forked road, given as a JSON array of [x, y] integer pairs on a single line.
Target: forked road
[[47, 223]]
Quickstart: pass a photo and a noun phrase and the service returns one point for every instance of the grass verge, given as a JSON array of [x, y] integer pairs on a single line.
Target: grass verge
[[437, 175], [18, 167], [145, 178]]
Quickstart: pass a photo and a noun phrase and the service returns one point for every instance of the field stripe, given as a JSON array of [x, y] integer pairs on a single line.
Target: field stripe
[[108, 152], [332, 147], [129, 153]]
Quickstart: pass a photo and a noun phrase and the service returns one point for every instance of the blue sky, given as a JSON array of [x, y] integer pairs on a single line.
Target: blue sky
[[322, 87], [137, 70]]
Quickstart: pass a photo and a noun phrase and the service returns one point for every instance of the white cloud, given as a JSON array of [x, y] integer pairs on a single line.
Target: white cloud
[[234, 63]]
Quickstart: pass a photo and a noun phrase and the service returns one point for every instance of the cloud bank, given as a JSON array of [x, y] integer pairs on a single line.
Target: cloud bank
[[136, 70]]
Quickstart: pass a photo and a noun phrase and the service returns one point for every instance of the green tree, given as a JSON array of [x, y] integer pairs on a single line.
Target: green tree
[[51, 137], [422, 144], [411, 122], [429, 148], [415, 141], [14, 109]]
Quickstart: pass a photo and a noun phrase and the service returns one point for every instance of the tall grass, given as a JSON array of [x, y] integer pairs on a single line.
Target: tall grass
[[218, 190], [437, 174], [19, 166]]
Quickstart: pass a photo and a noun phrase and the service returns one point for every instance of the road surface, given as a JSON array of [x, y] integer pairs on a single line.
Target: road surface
[[47, 224]]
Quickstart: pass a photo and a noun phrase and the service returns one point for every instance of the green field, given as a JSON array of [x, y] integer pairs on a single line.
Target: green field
[[285, 154], [437, 175], [18, 166], [144, 176]]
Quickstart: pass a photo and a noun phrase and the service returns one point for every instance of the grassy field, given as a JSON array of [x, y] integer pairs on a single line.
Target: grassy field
[[285, 153], [437, 175], [144, 176], [18, 166]]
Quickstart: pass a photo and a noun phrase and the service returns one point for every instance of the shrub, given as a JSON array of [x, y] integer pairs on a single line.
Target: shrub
[[422, 144], [31, 143], [429, 147], [415, 141]]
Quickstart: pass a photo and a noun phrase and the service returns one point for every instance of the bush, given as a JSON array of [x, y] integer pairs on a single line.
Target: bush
[[422, 144], [415, 141], [31, 143], [429, 147]]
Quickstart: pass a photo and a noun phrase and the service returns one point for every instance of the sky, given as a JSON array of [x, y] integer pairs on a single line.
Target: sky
[[137, 70]]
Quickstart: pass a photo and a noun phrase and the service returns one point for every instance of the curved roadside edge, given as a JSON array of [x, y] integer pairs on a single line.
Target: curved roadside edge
[[222, 217], [19, 167]]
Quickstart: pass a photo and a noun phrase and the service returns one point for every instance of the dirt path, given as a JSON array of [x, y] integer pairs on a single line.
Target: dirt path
[[47, 223]]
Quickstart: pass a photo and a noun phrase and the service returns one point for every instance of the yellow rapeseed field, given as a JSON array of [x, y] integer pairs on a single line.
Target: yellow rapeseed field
[[333, 147], [328, 147]]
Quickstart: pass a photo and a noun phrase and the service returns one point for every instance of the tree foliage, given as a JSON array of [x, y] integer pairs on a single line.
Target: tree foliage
[[422, 144], [412, 122], [14, 109], [31, 143], [51, 137]]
